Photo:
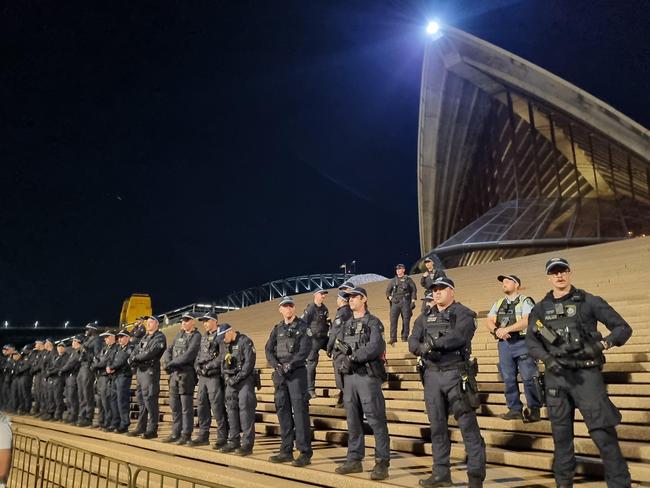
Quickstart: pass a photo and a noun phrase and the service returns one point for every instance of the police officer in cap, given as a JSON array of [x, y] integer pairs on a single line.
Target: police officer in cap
[[287, 350], [507, 321], [431, 274], [360, 339], [211, 394], [238, 369], [37, 376], [121, 373], [179, 363], [317, 317], [108, 411], [91, 346], [343, 313], [56, 383], [23, 377], [562, 333], [70, 370], [49, 355], [442, 338], [401, 292], [145, 359], [6, 366]]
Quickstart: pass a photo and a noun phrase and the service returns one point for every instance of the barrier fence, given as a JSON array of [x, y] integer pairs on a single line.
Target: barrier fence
[[52, 464]]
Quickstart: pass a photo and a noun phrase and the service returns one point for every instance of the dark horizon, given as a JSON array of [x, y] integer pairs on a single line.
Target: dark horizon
[[190, 151]]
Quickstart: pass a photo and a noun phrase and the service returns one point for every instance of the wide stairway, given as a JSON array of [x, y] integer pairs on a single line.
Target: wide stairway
[[519, 454]]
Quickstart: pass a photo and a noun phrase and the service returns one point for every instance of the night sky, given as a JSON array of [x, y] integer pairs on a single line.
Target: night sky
[[191, 149]]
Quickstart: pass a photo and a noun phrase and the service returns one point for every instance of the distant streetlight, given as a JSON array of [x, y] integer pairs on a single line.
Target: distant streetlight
[[6, 324], [67, 322], [36, 324]]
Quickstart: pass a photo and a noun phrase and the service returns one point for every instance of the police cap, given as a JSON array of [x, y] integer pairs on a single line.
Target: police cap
[[346, 286], [190, 316], [510, 277], [558, 264], [287, 301], [357, 290], [223, 328], [444, 282], [208, 316]]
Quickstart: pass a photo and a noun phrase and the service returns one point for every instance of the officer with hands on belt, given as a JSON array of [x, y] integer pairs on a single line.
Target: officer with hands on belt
[[108, 411], [563, 333], [122, 374], [507, 321], [178, 361], [442, 340], [69, 371], [317, 317], [287, 350], [343, 313], [402, 294], [211, 391], [238, 369], [90, 348], [361, 340], [145, 359]]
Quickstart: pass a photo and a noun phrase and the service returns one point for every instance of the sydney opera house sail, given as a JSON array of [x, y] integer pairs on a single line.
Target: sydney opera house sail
[[513, 160]]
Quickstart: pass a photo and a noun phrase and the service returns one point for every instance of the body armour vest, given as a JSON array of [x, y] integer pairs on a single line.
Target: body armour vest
[[319, 323], [400, 288], [182, 343], [563, 318], [437, 324], [233, 359], [509, 312], [209, 348], [356, 334], [288, 336]]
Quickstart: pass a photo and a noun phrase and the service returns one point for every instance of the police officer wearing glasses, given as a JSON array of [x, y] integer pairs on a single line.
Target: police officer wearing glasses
[[442, 340], [562, 333], [287, 350], [361, 341]]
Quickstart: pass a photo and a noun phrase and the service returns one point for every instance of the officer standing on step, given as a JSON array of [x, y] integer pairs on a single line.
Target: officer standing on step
[[431, 274], [317, 317], [145, 359], [402, 294], [287, 350], [442, 340], [49, 354], [562, 332], [238, 369], [360, 340], [507, 321], [343, 313], [211, 395], [179, 363], [91, 346], [108, 411], [56, 383], [37, 376], [70, 370], [121, 373]]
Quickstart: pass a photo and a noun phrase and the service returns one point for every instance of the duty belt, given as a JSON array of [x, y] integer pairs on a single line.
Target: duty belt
[[446, 366]]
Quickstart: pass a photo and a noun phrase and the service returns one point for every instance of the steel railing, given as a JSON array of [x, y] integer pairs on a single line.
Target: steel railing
[[153, 478]]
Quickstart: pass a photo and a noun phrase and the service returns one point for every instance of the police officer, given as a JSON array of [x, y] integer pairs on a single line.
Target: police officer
[[23, 376], [146, 361], [238, 369], [105, 381], [343, 313], [137, 333], [16, 360], [507, 321], [211, 395], [442, 338], [69, 372], [90, 348], [120, 371], [287, 350], [46, 406], [431, 274], [6, 367], [316, 315], [179, 363], [56, 383], [360, 339], [401, 292], [562, 333]]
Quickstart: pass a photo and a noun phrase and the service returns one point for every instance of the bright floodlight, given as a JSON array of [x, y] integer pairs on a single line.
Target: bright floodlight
[[433, 27]]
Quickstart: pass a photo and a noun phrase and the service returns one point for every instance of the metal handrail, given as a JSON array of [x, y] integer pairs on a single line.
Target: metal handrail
[[150, 478]]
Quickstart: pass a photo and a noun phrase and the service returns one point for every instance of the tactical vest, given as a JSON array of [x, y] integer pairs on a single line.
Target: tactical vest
[[356, 334], [400, 288], [286, 339], [437, 324], [233, 359], [319, 323], [182, 343], [209, 348], [509, 313]]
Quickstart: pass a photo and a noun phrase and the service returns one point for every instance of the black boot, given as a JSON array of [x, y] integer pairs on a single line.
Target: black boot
[[380, 471]]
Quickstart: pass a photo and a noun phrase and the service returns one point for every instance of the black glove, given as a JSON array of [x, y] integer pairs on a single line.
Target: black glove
[[286, 368], [592, 350], [552, 365], [345, 366], [412, 305], [230, 380], [279, 369]]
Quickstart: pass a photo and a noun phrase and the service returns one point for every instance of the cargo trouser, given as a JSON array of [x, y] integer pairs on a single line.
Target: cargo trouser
[[362, 395], [317, 343], [71, 397], [292, 407], [37, 386], [585, 390], [400, 307], [55, 385], [86, 392], [149, 383], [106, 397], [240, 406], [122, 394], [181, 401], [211, 403], [443, 395]]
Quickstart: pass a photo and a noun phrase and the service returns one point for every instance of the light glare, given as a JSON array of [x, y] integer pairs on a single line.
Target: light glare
[[433, 27]]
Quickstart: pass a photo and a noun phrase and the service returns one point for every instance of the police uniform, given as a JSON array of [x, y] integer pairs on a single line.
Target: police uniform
[[442, 340], [121, 386], [108, 411], [430, 278], [317, 317], [563, 333], [364, 371], [56, 384], [146, 361], [22, 371], [138, 333], [238, 369], [513, 355], [69, 371], [211, 388], [343, 313], [86, 376], [287, 350], [6, 366], [179, 363], [401, 292], [44, 390]]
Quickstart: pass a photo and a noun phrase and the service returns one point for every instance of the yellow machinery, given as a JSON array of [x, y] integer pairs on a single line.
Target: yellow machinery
[[135, 306]]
